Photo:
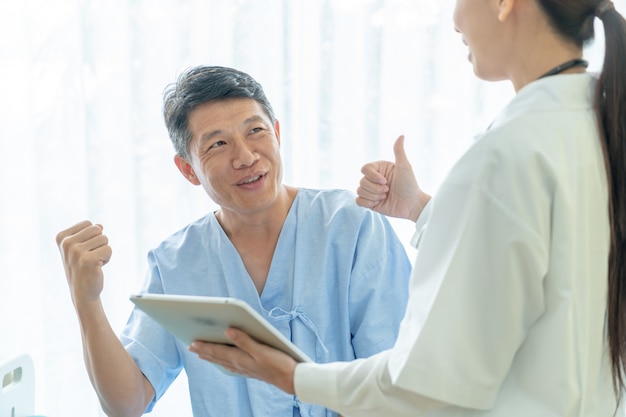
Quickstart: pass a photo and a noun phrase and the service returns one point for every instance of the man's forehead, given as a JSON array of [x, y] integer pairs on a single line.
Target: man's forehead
[[214, 117]]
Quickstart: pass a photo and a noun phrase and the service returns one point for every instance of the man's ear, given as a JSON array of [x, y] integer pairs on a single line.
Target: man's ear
[[186, 169], [277, 130], [504, 9]]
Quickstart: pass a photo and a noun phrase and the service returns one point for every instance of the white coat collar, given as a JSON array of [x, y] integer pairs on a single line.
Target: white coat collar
[[555, 93]]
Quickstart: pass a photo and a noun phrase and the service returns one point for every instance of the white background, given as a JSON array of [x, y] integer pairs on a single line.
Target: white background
[[82, 137]]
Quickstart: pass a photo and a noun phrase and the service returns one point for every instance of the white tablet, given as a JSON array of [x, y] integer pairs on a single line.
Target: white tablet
[[192, 318]]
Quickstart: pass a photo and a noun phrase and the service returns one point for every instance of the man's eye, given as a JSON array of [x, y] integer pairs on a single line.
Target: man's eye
[[256, 130], [217, 144]]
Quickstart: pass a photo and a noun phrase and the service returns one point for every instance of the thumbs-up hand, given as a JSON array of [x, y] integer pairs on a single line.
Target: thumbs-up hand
[[390, 188]]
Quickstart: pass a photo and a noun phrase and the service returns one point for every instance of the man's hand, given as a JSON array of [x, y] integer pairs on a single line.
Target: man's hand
[[390, 188], [250, 358], [84, 250]]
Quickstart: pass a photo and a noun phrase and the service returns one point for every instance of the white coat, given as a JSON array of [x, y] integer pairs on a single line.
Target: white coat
[[508, 294]]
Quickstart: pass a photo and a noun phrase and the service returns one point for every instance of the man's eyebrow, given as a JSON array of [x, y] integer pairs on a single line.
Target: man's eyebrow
[[254, 119], [210, 135]]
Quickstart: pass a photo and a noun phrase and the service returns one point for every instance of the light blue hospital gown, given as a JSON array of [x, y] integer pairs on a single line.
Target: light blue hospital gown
[[337, 288]]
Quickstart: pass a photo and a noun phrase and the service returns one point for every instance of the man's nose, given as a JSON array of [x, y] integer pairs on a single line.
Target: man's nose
[[245, 155]]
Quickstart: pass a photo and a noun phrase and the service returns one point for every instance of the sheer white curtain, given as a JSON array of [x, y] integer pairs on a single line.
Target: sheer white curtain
[[81, 133]]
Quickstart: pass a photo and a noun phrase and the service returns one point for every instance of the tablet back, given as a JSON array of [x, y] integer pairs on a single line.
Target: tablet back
[[192, 318]]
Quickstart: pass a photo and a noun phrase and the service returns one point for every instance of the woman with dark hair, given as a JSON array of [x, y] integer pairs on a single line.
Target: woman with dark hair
[[516, 304]]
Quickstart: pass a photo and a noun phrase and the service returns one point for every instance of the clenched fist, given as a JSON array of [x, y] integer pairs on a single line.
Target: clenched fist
[[84, 250]]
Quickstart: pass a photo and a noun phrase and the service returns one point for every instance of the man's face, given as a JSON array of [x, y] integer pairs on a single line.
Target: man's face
[[235, 155]]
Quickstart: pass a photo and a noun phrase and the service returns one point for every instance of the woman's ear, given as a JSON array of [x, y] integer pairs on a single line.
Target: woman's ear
[[504, 9], [186, 169]]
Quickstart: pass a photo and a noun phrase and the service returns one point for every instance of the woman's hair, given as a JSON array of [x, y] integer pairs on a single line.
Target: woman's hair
[[199, 85], [574, 19]]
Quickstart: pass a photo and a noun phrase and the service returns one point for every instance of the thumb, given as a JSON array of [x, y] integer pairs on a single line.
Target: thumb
[[398, 150]]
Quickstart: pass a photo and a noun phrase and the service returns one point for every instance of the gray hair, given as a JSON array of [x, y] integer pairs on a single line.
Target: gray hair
[[202, 84]]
